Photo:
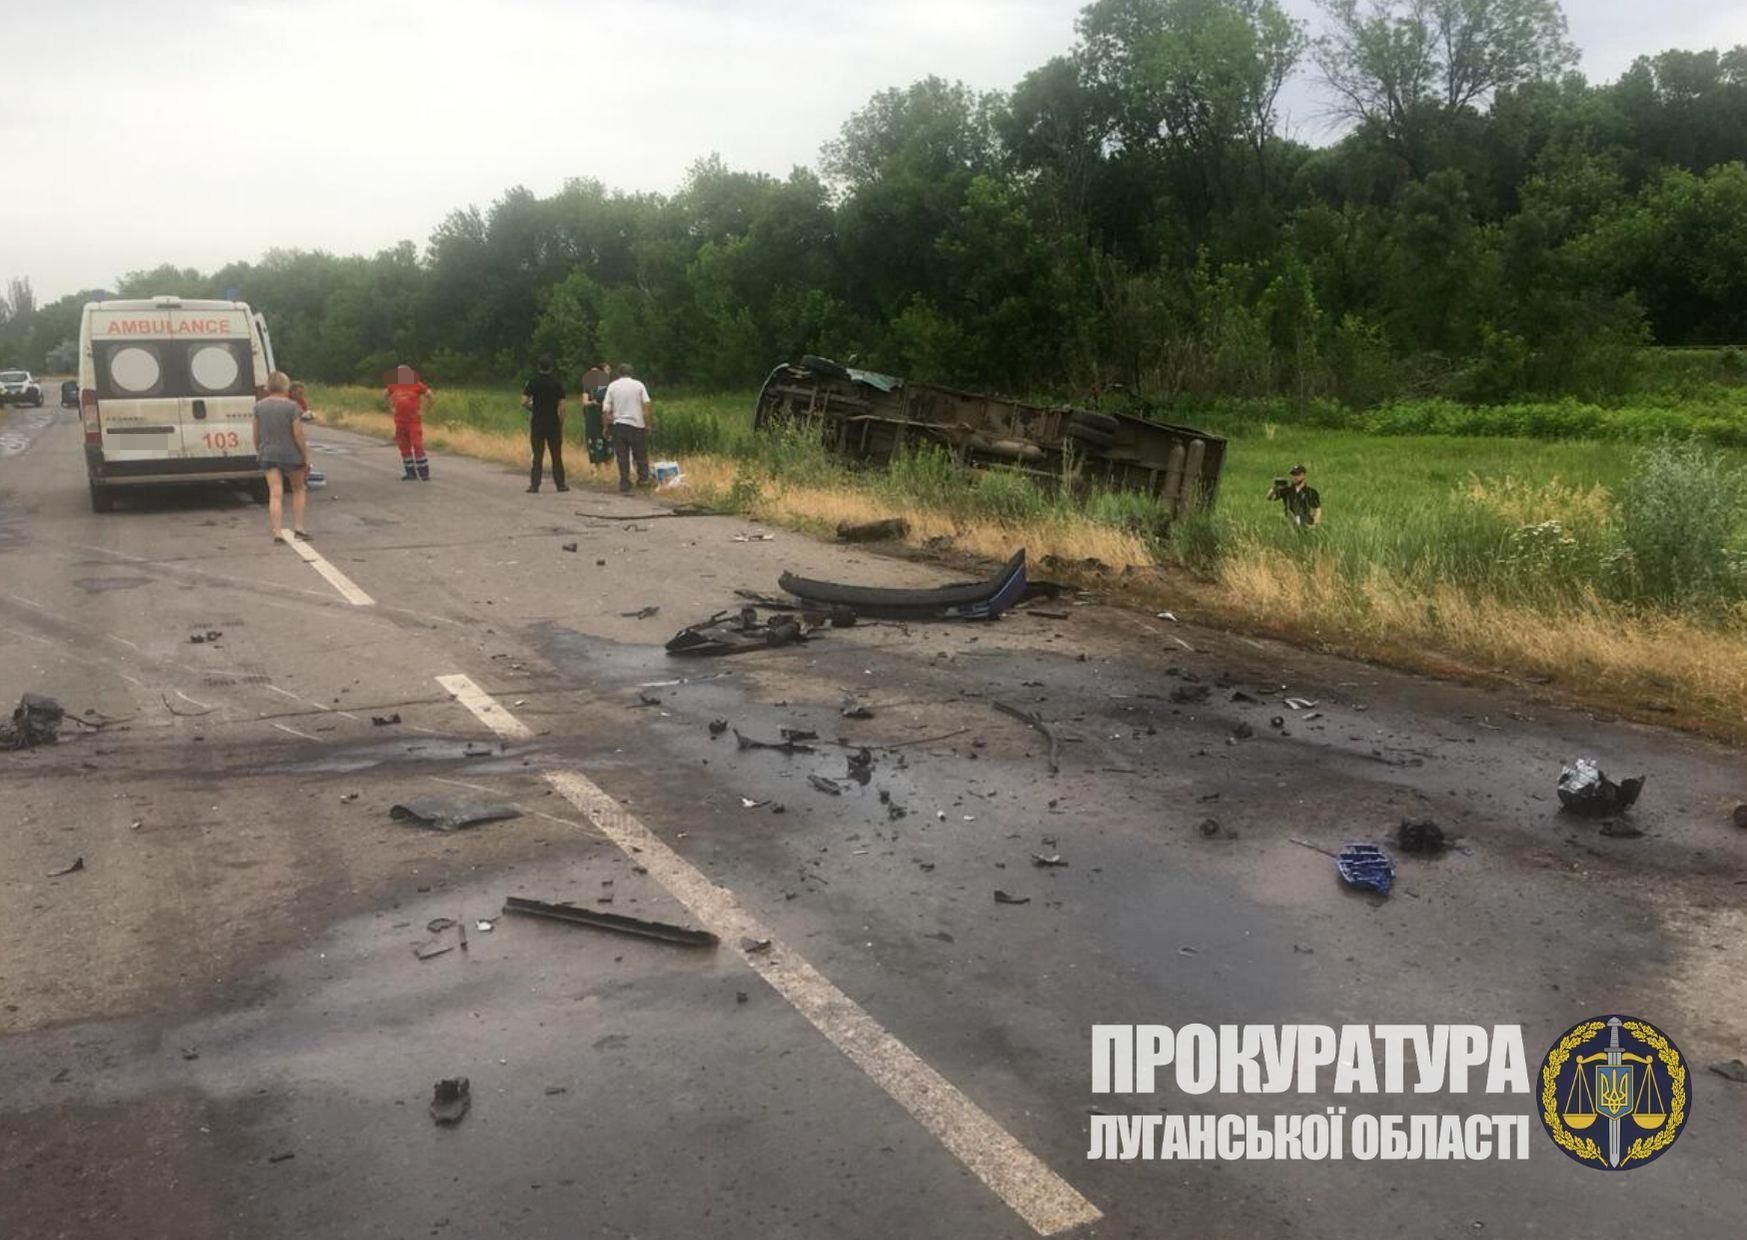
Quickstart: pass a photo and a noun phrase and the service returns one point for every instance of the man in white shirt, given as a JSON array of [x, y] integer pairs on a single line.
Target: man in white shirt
[[626, 408]]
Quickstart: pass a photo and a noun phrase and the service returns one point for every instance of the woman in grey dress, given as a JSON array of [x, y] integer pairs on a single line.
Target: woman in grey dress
[[283, 453]]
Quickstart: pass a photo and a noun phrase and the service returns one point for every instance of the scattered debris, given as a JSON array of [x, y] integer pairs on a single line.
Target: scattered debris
[[1167, 615], [798, 734], [1238, 695], [983, 600], [1366, 865], [719, 635], [1585, 790], [36, 720], [1731, 1070], [450, 1101], [383, 721], [1042, 860], [1032, 720], [485, 925], [749, 803], [1278, 721], [718, 726], [279, 1158], [1619, 830], [740, 996], [1209, 827], [642, 613], [78, 864], [1191, 695], [754, 947], [860, 764], [431, 950], [200, 639], [1298, 703], [829, 787], [1420, 836], [873, 531], [1741, 815], [1242, 732], [1001, 897], [782, 746], [552, 1091], [437, 925], [571, 547], [615, 922], [444, 814], [860, 710], [755, 538], [1043, 614], [645, 698]]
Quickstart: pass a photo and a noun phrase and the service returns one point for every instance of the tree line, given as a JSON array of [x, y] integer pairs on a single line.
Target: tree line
[[1131, 216]]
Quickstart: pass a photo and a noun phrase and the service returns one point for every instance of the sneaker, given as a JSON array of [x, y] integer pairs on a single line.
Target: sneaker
[[536, 490], [300, 534], [560, 487]]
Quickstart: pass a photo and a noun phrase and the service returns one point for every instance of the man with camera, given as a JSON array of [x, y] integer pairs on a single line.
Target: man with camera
[[1303, 504]]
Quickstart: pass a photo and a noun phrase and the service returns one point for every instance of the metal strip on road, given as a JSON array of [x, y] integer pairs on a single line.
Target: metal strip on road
[[335, 578], [1048, 1203]]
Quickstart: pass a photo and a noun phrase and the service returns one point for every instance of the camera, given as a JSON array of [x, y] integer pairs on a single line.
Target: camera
[[1281, 486]]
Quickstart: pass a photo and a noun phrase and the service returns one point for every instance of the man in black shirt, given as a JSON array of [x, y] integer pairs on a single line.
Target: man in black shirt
[[543, 398], [1303, 504]]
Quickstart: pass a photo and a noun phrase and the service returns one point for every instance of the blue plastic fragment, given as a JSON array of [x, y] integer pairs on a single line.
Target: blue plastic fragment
[[1366, 865]]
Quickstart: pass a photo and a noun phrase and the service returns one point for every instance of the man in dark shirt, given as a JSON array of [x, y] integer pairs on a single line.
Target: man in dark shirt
[[1303, 504], [594, 389], [543, 398]]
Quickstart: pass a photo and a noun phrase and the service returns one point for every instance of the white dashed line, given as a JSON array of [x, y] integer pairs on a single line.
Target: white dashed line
[[335, 578], [1037, 1194]]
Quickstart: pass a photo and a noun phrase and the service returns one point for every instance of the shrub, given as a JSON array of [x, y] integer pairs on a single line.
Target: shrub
[[1679, 511]]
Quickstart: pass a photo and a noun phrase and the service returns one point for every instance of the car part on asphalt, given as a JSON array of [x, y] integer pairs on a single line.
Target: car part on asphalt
[[1034, 721], [830, 787], [720, 635], [36, 720], [444, 814], [450, 1101], [861, 710], [1366, 865], [888, 530], [77, 865], [876, 418], [642, 613], [1047, 860], [783, 746], [1421, 836], [384, 721], [860, 766], [431, 950], [682, 936], [1740, 815], [982, 600], [1585, 790], [1001, 897]]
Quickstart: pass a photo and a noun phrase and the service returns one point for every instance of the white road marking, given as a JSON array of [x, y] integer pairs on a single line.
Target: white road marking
[[1037, 1194], [305, 735], [335, 578], [481, 703]]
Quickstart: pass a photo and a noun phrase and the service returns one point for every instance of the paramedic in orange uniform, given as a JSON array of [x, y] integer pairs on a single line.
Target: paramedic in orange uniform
[[409, 398]]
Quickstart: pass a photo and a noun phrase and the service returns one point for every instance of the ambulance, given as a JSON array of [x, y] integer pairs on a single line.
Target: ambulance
[[167, 389]]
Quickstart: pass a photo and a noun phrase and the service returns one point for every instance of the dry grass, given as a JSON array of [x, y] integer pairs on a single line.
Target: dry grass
[[1660, 668], [824, 508]]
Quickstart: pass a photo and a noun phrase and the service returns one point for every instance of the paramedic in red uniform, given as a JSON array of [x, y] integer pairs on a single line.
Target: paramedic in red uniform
[[409, 398]]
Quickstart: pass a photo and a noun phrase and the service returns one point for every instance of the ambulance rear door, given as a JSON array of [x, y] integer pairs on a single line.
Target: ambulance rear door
[[214, 352]]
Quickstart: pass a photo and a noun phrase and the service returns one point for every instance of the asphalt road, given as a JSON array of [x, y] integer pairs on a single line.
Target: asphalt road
[[218, 1027]]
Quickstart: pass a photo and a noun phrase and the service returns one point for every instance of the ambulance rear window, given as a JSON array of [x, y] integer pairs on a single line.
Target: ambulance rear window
[[169, 369]]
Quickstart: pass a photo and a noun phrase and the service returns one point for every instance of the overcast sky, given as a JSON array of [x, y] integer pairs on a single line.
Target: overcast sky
[[200, 131]]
